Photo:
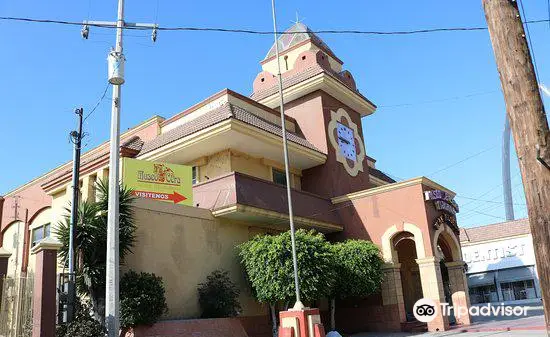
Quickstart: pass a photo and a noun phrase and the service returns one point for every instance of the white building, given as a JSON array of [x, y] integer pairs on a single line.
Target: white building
[[501, 263]]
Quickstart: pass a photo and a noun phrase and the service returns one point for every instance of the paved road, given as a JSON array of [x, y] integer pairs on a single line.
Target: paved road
[[457, 333]]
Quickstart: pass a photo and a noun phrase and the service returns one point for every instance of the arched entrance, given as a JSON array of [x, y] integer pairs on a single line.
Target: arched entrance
[[411, 284], [455, 286], [445, 253]]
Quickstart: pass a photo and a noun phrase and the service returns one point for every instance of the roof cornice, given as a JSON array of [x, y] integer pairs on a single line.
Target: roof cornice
[[328, 84], [217, 95], [390, 187]]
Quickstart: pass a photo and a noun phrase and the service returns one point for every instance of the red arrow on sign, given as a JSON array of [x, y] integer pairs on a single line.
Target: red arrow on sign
[[175, 197]]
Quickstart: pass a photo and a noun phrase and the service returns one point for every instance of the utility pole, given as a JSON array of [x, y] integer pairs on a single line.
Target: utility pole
[[116, 78], [16, 218], [529, 126], [76, 139], [298, 305]]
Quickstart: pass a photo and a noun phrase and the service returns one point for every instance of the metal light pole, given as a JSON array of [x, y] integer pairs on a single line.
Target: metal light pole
[[298, 305], [116, 78], [112, 303], [76, 138], [506, 182]]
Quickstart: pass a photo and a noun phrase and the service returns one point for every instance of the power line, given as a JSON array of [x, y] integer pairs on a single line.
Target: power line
[[98, 102], [488, 201], [441, 99], [461, 161], [260, 32], [491, 215], [531, 50]]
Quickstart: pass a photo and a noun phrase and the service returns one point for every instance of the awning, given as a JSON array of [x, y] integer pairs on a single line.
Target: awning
[[481, 279], [515, 274]]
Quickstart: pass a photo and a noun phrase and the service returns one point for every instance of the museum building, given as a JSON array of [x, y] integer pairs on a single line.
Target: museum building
[[234, 144], [501, 263]]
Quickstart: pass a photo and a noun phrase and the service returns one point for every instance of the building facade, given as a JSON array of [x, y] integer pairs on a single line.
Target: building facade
[[501, 263], [234, 144]]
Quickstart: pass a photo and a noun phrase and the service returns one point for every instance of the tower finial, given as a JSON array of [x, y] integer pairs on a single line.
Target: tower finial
[[298, 19]]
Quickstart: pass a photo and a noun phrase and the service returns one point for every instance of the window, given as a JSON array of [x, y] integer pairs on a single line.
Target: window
[[483, 294], [279, 177], [519, 290], [40, 233], [194, 175]]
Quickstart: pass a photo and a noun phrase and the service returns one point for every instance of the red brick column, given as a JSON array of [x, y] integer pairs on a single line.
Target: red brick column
[[301, 323], [44, 297]]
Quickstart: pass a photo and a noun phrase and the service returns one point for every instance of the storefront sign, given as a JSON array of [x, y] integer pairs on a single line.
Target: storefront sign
[[159, 181], [443, 196], [443, 201], [499, 255]]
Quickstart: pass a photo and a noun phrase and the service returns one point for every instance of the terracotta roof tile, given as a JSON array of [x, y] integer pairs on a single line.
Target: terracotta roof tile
[[495, 231], [380, 175], [133, 143], [218, 115]]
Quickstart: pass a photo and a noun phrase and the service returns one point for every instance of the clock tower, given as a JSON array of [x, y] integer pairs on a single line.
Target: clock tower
[[325, 102]]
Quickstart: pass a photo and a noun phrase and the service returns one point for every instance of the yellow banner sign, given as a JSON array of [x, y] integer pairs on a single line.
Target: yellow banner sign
[[159, 181]]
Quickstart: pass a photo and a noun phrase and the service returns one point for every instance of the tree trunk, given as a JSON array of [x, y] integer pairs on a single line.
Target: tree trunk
[[333, 314], [529, 126], [274, 320]]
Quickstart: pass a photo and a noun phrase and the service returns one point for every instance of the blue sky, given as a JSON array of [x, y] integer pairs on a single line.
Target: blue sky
[[48, 70]]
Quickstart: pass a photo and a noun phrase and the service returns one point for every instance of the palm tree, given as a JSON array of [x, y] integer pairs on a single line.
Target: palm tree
[[90, 242]]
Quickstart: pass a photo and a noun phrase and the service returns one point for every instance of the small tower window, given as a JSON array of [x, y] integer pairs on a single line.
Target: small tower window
[[286, 61]]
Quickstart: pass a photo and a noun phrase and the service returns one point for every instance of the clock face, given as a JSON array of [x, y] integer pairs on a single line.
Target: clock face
[[346, 141]]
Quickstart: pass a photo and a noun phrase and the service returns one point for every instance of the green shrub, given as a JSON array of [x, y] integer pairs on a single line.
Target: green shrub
[[84, 325], [142, 299], [219, 296]]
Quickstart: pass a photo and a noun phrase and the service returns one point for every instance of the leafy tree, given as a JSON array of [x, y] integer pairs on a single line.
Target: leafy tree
[[358, 267], [142, 299], [267, 261], [91, 242], [219, 296]]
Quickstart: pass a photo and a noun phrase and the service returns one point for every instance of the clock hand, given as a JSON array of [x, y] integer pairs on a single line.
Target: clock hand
[[344, 140]]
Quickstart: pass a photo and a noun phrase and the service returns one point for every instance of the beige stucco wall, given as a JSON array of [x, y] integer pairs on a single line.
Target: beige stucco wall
[[13, 243], [184, 245], [227, 161], [216, 165], [255, 167]]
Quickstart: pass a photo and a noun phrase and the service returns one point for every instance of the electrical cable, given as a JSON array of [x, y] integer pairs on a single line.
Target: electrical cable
[[461, 161], [489, 201], [259, 32], [440, 100], [98, 102], [532, 48]]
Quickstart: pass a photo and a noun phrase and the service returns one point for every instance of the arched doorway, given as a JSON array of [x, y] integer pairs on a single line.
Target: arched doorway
[[405, 247], [446, 255]]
